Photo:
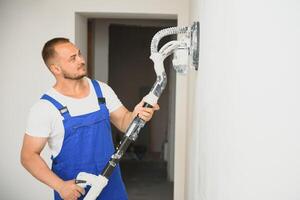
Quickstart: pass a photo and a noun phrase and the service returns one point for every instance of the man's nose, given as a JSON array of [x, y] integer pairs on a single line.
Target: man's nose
[[81, 59]]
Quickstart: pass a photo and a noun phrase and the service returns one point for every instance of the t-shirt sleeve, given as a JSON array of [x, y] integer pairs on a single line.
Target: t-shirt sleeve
[[39, 120], [112, 100]]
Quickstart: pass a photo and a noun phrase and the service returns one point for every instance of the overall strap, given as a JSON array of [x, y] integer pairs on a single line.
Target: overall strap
[[62, 109], [101, 99]]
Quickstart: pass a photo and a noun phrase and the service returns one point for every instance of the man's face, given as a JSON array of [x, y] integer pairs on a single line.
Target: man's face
[[70, 61]]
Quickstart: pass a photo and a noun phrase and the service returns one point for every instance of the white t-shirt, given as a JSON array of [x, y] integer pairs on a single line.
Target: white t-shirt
[[45, 120]]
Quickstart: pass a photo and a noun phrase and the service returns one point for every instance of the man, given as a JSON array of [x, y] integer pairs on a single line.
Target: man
[[74, 117]]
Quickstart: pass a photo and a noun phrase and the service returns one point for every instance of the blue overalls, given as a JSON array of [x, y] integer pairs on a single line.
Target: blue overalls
[[87, 147]]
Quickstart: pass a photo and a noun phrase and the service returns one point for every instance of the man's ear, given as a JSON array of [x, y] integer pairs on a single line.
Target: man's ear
[[55, 69]]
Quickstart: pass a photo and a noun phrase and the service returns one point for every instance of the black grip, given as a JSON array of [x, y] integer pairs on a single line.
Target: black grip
[[79, 181], [147, 105]]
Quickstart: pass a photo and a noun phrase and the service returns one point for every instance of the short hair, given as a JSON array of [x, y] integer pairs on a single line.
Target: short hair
[[49, 48]]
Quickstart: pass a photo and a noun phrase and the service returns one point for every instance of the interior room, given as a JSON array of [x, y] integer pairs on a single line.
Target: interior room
[[227, 129]]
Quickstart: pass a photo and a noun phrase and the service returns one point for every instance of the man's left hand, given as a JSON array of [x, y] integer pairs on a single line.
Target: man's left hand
[[145, 113]]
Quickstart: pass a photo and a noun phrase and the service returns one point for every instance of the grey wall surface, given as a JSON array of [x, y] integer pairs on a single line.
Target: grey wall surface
[[245, 138]]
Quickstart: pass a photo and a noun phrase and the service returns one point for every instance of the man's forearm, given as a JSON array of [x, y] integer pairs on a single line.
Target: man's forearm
[[40, 170], [128, 117]]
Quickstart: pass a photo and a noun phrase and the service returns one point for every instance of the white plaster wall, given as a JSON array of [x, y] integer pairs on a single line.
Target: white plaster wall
[[101, 51], [81, 31], [246, 120], [26, 25]]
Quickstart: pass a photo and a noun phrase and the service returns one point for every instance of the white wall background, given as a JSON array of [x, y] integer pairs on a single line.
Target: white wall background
[[245, 139], [25, 26]]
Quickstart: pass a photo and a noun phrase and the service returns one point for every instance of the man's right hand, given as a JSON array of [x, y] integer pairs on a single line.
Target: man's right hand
[[33, 162], [70, 191]]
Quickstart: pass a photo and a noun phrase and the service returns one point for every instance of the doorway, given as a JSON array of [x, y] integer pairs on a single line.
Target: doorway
[[124, 47]]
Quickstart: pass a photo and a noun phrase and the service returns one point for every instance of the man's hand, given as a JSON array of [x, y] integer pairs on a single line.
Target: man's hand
[[70, 191], [121, 117], [144, 113]]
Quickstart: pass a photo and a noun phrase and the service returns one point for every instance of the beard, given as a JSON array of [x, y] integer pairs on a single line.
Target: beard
[[74, 76]]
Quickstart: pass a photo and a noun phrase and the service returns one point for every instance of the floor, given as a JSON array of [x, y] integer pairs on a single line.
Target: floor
[[146, 180]]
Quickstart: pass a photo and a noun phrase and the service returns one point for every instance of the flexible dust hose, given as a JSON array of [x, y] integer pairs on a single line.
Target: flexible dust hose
[[160, 34], [158, 59]]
